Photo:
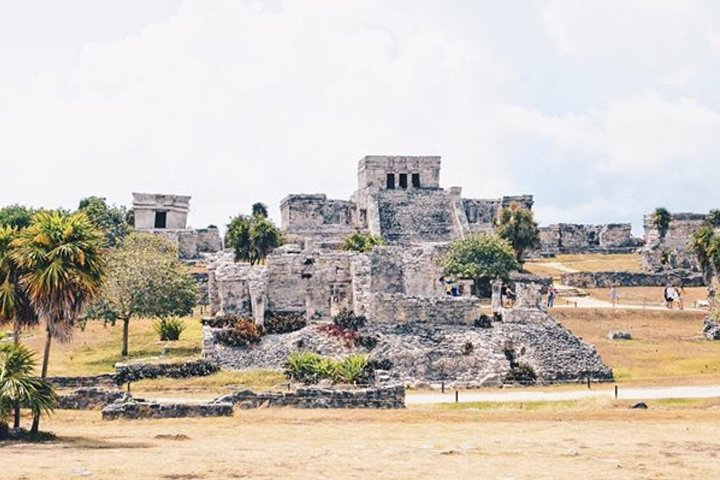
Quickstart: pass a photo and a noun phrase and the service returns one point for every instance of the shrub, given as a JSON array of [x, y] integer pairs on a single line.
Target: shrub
[[354, 369], [243, 334], [361, 242], [347, 320], [468, 348], [348, 337], [661, 218], [521, 373], [366, 341], [169, 329], [222, 321], [483, 321], [309, 367], [284, 322]]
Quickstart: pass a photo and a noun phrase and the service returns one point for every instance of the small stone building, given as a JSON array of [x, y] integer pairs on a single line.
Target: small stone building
[[674, 249], [166, 215]]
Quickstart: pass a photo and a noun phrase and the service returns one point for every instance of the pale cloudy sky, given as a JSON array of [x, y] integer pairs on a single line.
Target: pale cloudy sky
[[604, 109]]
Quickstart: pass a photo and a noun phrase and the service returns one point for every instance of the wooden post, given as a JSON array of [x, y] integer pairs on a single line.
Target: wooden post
[[456, 396], [616, 392]]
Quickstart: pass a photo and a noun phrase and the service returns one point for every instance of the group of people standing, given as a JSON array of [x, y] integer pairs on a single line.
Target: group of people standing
[[674, 295]]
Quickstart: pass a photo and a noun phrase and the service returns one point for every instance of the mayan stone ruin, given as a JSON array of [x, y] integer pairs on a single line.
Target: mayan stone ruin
[[420, 334], [166, 215]]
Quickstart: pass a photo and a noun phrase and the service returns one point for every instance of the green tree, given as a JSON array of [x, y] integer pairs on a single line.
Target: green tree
[[481, 258], [144, 279], [62, 260], [112, 220], [252, 238], [661, 218], [713, 218], [17, 216], [259, 210], [15, 306], [703, 245], [361, 242], [517, 225], [18, 385]]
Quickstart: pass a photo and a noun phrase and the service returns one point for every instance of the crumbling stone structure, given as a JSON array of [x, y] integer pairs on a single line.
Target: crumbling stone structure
[[673, 250], [166, 215], [570, 238], [398, 198]]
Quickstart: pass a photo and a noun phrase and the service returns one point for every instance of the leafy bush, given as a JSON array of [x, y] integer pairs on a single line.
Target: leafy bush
[[243, 334], [483, 321], [361, 242], [661, 218], [310, 368], [169, 329], [347, 320], [521, 373], [348, 337], [353, 369], [284, 322], [222, 321], [468, 348], [366, 341]]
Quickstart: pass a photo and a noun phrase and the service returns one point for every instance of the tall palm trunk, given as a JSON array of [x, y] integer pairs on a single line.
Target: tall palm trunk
[[46, 359], [16, 406]]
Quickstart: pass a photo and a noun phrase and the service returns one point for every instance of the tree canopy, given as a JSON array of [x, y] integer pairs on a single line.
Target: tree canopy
[[361, 242], [517, 225], [661, 218], [481, 258], [112, 220], [144, 279], [252, 238], [18, 216]]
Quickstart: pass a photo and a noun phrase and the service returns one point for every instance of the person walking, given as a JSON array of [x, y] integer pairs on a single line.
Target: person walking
[[614, 296], [552, 293], [668, 297]]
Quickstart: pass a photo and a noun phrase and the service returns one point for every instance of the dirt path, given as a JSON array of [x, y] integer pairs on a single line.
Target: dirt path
[[605, 391]]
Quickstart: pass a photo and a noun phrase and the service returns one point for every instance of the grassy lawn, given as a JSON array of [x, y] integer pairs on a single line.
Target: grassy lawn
[[96, 349], [648, 295], [667, 347], [584, 263]]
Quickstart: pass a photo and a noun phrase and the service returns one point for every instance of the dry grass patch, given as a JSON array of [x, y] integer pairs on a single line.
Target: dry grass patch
[[667, 347], [650, 296], [410, 444]]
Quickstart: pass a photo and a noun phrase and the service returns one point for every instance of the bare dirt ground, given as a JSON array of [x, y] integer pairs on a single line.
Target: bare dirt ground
[[410, 444]]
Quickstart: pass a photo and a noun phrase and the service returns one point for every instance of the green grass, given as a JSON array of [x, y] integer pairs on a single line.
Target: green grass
[[96, 349]]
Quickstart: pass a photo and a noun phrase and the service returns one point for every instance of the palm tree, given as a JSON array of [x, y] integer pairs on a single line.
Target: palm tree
[[14, 305], [62, 260], [18, 385]]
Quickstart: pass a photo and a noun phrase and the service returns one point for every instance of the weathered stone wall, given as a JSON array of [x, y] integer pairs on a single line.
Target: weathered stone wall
[[569, 238], [89, 399], [105, 380], [417, 216], [672, 251], [632, 279], [400, 308], [135, 372], [382, 397], [134, 409], [317, 218], [192, 243]]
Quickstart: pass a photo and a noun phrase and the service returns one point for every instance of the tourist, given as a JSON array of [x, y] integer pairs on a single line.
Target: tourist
[[679, 294], [614, 296], [711, 295], [551, 296], [667, 293]]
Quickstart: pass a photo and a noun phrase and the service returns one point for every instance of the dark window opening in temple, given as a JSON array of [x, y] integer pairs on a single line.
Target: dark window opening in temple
[[160, 219], [391, 181], [403, 180], [416, 180]]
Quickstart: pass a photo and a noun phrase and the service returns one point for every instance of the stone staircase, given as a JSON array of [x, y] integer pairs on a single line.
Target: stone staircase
[[417, 216]]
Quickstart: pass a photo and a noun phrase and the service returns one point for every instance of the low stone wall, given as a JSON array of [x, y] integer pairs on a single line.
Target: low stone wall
[[133, 373], [632, 279], [89, 399], [386, 397], [135, 409], [106, 380], [711, 330], [398, 308], [570, 238]]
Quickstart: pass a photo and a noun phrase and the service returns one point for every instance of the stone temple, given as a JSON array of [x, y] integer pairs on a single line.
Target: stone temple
[[397, 287], [166, 215], [398, 198]]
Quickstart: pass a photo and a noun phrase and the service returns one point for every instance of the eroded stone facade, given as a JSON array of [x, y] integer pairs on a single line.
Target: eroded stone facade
[[570, 238], [673, 250]]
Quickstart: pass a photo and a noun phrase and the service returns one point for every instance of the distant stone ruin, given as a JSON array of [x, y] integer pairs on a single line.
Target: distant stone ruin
[[672, 251], [420, 332], [570, 238], [166, 215], [398, 198]]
